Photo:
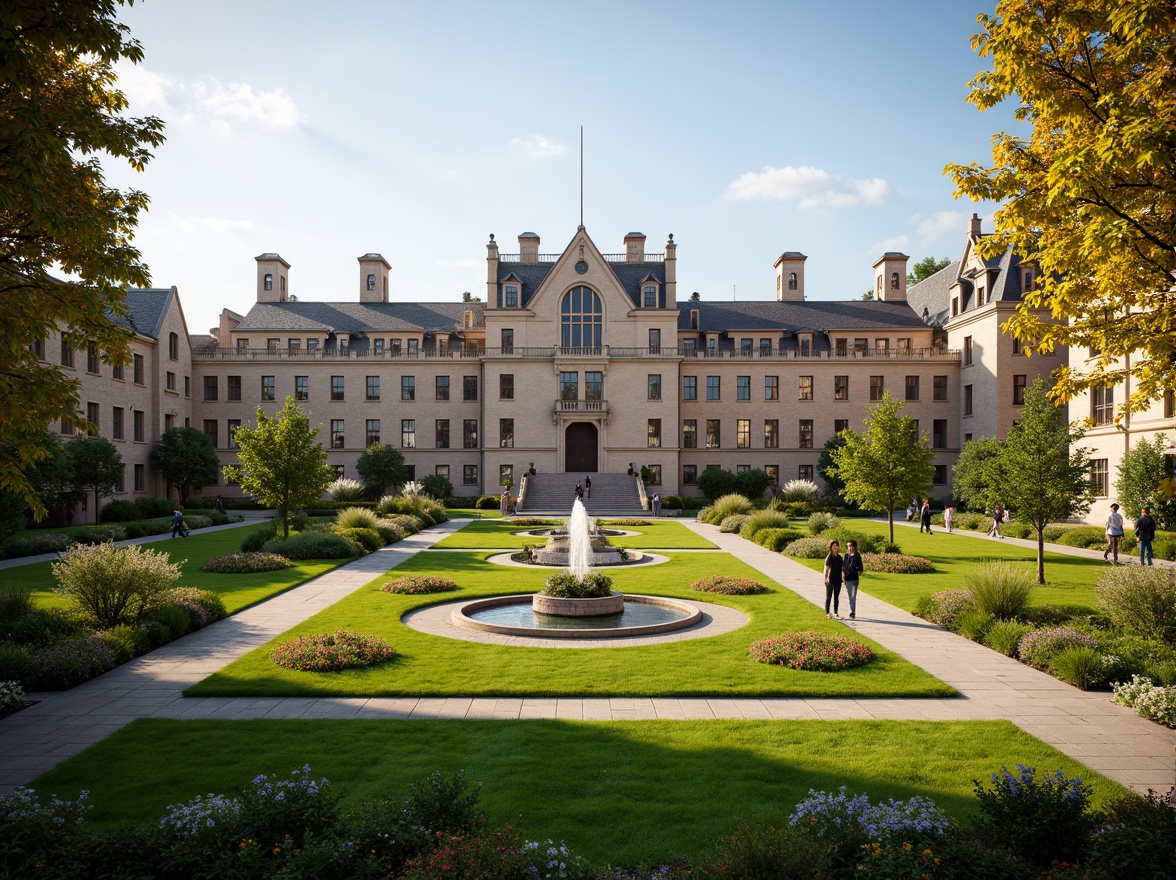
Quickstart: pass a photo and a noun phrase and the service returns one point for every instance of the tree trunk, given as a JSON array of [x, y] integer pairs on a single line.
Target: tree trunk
[[97, 509], [1041, 557], [890, 520], [284, 511]]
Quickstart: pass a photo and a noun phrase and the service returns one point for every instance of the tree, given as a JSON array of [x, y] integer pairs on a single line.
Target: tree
[[925, 268], [437, 487], [887, 466], [1141, 472], [1090, 196], [381, 466], [51, 478], [827, 471], [97, 467], [715, 483], [470, 298], [59, 112], [1043, 477], [281, 463], [752, 483], [975, 480], [187, 460]]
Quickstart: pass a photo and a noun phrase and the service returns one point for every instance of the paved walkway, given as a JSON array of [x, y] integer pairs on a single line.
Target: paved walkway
[[1087, 726]]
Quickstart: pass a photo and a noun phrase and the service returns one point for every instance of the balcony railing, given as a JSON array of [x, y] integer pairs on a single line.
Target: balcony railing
[[608, 258], [581, 406]]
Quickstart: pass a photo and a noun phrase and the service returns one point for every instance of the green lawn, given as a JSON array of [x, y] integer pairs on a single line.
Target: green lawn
[[436, 666], [236, 590], [500, 534], [616, 792]]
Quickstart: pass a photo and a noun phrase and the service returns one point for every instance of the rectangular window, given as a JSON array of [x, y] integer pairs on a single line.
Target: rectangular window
[[882, 346], [655, 475], [690, 433], [442, 470], [139, 369], [441, 434], [1098, 477], [187, 386], [505, 472], [469, 434], [939, 476], [806, 388], [915, 431], [771, 387], [690, 388], [116, 423], [653, 433], [137, 425], [841, 387], [806, 346], [210, 432], [967, 351], [1016, 345], [690, 348], [373, 388], [408, 387], [242, 346], [904, 344], [506, 386], [294, 346], [712, 388], [649, 297], [654, 340], [939, 433], [743, 387], [38, 348], [268, 388], [441, 388], [67, 427], [743, 433], [569, 386], [877, 386], [169, 381], [806, 434], [804, 472], [92, 362], [512, 296], [408, 433], [745, 347], [302, 388], [231, 427], [771, 433], [689, 475], [397, 347], [713, 434], [939, 387], [1102, 405], [67, 358], [840, 425], [912, 387], [861, 346], [116, 372], [169, 421], [1169, 404], [653, 386], [338, 388], [469, 475], [345, 346], [773, 472], [140, 477], [377, 346], [270, 345], [371, 432], [469, 387], [232, 388], [506, 338], [336, 433], [967, 400], [506, 433], [765, 348], [593, 385], [1018, 390]]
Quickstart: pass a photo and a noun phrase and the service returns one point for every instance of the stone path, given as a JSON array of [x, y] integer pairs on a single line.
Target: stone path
[[1087, 726]]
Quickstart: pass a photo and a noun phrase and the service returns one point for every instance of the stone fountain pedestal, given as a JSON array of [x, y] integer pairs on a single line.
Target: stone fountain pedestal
[[613, 603], [557, 552]]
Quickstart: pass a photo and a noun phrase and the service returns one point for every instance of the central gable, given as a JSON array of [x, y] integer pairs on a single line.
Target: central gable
[[581, 263]]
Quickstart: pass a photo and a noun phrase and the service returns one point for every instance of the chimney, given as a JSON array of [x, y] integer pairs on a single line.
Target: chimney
[[635, 248], [890, 277], [373, 279], [271, 278], [974, 225], [528, 248], [491, 271], [671, 272], [790, 277]]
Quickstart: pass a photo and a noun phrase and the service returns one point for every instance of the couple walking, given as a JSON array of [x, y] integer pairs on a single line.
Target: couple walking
[[840, 568]]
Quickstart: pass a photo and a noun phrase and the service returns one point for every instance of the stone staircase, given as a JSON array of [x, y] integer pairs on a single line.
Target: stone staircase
[[553, 494]]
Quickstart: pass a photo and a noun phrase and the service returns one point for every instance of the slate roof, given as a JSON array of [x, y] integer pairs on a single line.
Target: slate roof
[[353, 317], [629, 275], [147, 309], [933, 293], [816, 316], [1002, 278]]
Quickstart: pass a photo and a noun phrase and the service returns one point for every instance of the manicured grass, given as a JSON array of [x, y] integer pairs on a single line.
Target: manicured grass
[[616, 792], [436, 666], [1070, 579], [236, 590], [500, 534]]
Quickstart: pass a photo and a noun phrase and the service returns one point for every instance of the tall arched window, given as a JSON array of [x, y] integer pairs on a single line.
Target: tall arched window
[[581, 315], [894, 281], [792, 281]]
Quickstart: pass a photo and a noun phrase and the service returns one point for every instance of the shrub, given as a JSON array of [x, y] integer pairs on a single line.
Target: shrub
[[1133, 839], [866, 543], [1000, 588], [119, 511], [123, 641], [415, 585], [313, 545], [34, 544], [811, 651], [345, 489], [489, 852], [672, 502], [1043, 821], [15, 601], [1148, 699], [1017, 530], [11, 696], [764, 519], [729, 586], [65, 664], [356, 518], [439, 804], [1082, 667], [246, 563], [331, 652], [409, 525], [173, 618], [733, 524], [41, 627], [776, 539], [114, 584], [808, 548], [421, 506], [388, 531], [753, 851], [947, 607], [730, 505], [819, 521], [14, 663], [1083, 536], [151, 508], [436, 486], [98, 535], [1037, 648], [1004, 635], [1139, 599], [487, 502], [565, 586], [211, 603], [973, 624], [896, 563], [256, 539], [972, 522], [369, 539]]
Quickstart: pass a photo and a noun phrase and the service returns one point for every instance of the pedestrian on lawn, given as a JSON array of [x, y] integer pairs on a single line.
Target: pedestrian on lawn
[[656, 504], [1145, 533], [948, 517], [1114, 534], [997, 519], [925, 517], [178, 523]]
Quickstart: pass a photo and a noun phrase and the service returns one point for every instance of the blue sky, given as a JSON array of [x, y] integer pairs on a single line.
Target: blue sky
[[415, 130]]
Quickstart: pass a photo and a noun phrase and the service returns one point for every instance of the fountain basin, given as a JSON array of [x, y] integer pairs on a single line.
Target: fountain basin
[[613, 603], [558, 552], [515, 615]]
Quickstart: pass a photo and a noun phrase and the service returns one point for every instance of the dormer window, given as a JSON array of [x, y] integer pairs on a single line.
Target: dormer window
[[694, 319], [512, 296], [1028, 285], [371, 282], [344, 345], [806, 345], [269, 281], [792, 281], [894, 281], [955, 306], [649, 296]]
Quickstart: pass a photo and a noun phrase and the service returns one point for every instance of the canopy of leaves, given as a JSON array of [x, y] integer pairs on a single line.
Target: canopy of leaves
[[1142, 472], [975, 478], [826, 470], [187, 460], [281, 463], [715, 483], [96, 465], [60, 111], [1090, 195], [381, 466], [437, 486], [927, 267]]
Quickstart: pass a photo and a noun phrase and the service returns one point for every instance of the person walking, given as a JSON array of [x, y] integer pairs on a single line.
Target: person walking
[[1114, 534], [948, 517], [925, 517], [852, 567], [656, 504], [1145, 533], [178, 523], [833, 565], [588, 487], [579, 492], [997, 519], [504, 502], [220, 505]]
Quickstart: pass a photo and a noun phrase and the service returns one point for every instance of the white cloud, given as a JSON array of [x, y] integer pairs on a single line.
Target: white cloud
[[954, 223], [809, 187], [537, 146], [216, 225], [240, 102], [146, 90]]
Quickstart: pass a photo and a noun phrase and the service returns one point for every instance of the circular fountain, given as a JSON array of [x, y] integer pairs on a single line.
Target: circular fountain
[[580, 547]]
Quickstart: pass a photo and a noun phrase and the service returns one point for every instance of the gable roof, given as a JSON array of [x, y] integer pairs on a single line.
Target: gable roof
[[789, 317], [353, 317], [146, 309]]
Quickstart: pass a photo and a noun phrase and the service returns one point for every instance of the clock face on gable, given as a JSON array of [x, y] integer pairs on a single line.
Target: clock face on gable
[[581, 267]]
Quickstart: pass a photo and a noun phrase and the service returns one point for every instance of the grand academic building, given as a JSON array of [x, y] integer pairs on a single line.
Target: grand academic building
[[580, 361]]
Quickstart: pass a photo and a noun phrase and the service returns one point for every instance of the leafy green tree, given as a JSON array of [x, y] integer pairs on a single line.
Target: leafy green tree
[[1142, 472], [51, 478], [975, 479], [437, 486], [752, 483], [715, 483], [381, 466], [1090, 194], [828, 473], [96, 466], [884, 468], [927, 267], [281, 463], [187, 460], [60, 117], [1044, 478]]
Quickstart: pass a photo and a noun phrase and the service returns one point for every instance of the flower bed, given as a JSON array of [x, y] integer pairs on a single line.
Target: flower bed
[[949, 606], [896, 563], [331, 652], [1150, 700], [728, 586], [1037, 648], [247, 563], [811, 651], [416, 585], [565, 586], [628, 521]]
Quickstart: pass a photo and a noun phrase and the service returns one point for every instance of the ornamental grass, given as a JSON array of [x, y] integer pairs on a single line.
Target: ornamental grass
[[331, 652], [728, 586], [812, 651], [247, 563], [896, 563], [417, 585]]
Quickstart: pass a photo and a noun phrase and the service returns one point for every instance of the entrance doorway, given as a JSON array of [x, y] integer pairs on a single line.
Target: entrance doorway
[[580, 441]]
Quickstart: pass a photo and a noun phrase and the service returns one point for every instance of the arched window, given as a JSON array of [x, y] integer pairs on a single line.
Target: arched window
[[894, 281], [581, 315], [792, 281], [269, 281], [371, 282], [173, 346]]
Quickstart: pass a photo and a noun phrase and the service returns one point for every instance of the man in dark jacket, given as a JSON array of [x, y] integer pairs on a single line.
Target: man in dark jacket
[[1145, 533]]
